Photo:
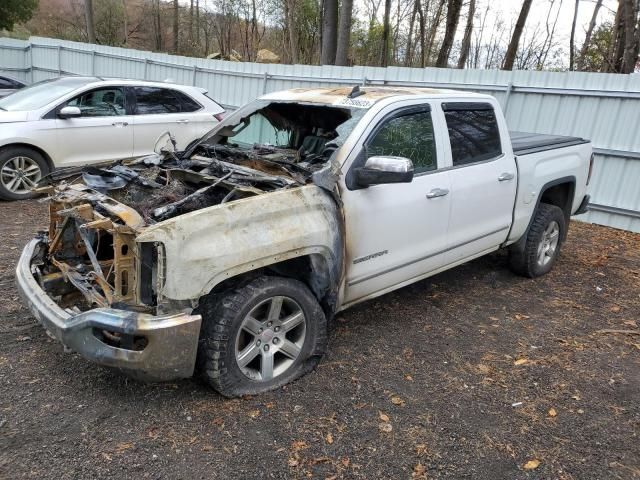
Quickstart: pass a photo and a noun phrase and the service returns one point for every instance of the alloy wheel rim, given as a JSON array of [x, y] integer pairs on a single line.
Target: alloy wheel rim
[[270, 338], [20, 174], [548, 244]]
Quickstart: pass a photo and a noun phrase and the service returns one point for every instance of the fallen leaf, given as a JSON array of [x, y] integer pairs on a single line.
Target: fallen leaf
[[519, 316], [531, 465], [298, 445], [419, 470], [552, 412], [254, 413], [385, 427], [409, 378], [121, 447], [383, 416], [421, 449], [615, 309], [520, 361], [293, 462], [345, 461], [397, 401], [482, 368], [329, 438], [630, 323]]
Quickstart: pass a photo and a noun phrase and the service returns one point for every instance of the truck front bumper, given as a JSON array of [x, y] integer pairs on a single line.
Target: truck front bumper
[[171, 341]]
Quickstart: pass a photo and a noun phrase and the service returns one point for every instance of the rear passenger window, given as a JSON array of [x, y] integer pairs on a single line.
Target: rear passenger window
[[473, 132], [410, 136], [153, 100]]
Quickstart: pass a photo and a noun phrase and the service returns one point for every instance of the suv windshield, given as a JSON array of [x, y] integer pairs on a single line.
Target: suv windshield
[[40, 94]]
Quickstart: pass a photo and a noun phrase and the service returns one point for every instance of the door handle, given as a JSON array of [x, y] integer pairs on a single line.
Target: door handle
[[437, 192], [184, 120], [120, 124], [506, 176]]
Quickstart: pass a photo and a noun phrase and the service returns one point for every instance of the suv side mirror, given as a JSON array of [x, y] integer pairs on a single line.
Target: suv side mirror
[[69, 112], [382, 169]]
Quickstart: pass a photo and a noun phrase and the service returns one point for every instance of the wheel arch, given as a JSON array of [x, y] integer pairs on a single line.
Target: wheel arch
[[44, 154], [315, 267], [559, 192]]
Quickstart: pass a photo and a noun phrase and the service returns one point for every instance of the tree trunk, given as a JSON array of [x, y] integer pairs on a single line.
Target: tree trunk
[[176, 13], [515, 38], [453, 16], [191, 21], [587, 37], [290, 9], [422, 35], [158, 25], [617, 45], [198, 23], [344, 33], [466, 40], [126, 22], [432, 30], [384, 55], [630, 55], [572, 38], [88, 14], [408, 54], [329, 32]]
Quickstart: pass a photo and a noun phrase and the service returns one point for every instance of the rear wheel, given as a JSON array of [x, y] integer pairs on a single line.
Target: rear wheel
[[543, 243], [260, 336], [21, 169]]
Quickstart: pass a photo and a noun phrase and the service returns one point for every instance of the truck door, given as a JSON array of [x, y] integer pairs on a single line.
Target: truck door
[[397, 232], [483, 179]]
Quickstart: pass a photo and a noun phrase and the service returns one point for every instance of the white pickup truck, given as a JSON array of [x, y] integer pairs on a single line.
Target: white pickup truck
[[230, 257]]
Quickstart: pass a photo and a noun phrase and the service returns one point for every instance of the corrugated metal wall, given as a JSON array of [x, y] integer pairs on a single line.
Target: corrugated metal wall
[[602, 107]]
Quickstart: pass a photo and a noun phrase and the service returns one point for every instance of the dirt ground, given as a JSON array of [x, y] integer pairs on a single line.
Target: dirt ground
[[474, 373]]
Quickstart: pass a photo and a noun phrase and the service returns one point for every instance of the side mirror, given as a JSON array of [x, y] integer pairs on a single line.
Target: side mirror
[[69, 112], [379, 170]]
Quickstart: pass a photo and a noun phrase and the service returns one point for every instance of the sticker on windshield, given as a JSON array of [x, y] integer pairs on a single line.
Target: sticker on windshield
[[354, 102]]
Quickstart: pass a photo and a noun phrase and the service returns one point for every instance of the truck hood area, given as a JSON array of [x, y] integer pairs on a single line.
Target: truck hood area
[[96, 254]]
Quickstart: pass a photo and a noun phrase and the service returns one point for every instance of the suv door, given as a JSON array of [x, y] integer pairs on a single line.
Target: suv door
[[397, 232], [159, 110], [103, 132], [483, 180]]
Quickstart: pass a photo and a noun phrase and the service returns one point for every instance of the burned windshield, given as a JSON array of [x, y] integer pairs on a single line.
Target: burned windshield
[[302, 134]]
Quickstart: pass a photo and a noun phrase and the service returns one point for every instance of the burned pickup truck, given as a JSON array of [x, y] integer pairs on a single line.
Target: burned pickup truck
[[230, 257]]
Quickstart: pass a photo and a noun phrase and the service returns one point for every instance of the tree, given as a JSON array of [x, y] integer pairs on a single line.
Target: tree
[[466, 40], [453, 16], [515, 38], [573, 37], [15, 11], [176, 17], [91, 26], [631, 23], [329, 32], [344, 33], [588, 34], [384, 53]]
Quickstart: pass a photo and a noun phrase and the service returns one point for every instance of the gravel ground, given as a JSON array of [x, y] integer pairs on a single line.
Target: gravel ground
[[474, 373]]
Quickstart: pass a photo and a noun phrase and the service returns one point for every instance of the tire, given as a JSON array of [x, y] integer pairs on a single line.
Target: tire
[[543, 243], [20, 168], [234, 351]]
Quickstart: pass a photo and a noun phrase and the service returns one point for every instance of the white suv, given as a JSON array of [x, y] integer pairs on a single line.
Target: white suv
[[71, 121]]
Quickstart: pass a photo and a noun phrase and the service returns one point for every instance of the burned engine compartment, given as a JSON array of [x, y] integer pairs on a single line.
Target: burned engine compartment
[[96, 212]]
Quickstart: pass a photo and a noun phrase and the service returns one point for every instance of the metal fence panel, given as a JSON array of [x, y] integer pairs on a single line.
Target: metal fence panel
[[602, 107]]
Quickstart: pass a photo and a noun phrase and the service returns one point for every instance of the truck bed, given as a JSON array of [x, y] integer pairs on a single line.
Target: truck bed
[[525, 143]]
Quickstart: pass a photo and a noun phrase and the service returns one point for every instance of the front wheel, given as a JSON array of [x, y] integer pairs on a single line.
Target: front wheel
[[21, 169], [543, 243], [260, 336]]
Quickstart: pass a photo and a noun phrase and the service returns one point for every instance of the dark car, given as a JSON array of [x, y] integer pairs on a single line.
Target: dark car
[[9, 85]]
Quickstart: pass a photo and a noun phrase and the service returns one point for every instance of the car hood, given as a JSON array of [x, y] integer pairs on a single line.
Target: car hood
[[11, 117]]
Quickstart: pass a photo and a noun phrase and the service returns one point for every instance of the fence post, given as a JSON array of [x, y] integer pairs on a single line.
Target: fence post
[[59, 60], [506, 97], [193, 78], [364, 81], [31, 61], [146, 63], [93, 62], [265, 79]]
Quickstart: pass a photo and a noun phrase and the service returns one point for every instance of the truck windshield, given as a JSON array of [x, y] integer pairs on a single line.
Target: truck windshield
[[309, 129]]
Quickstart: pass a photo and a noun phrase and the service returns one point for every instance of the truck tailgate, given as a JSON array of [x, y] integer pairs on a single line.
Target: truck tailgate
[[525, 143]]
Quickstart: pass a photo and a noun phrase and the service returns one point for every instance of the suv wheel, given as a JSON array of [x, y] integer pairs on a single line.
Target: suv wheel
[[543, 243], [260, 336], [21, 169]]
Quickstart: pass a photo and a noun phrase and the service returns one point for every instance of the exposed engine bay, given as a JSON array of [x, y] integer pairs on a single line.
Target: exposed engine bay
[[96, 212]]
